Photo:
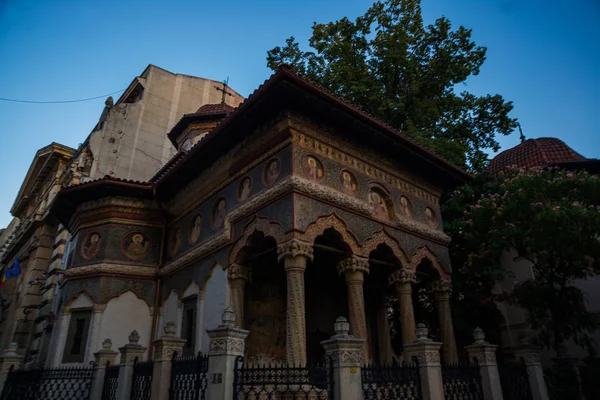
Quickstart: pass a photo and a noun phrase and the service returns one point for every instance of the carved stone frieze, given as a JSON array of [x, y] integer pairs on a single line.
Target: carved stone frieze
[[429, 358], [382, 237], [402, 276], [353, 264], [117, 269], [166, 347], [227, 345], [237, 271], [258, 224], [347, 358], [331, 221], [442, 286], [486, 358], [424, 253], [294, 248]]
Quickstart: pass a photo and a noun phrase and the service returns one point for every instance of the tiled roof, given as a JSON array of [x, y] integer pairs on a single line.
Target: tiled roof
[[538, 152], [209, 109], [108, 178]]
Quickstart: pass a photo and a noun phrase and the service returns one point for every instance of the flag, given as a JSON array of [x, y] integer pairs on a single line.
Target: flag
[[3, 281], [16, 270], [7, 275]]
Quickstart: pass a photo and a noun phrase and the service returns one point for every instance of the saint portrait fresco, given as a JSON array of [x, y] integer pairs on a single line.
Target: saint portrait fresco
[[245, 188], [136, 245], [91, 245], [377, 202], [313, 168], [405, 206], [219, 213], [195, 229], [175, 241], [348, 182], [272, 171], [430, 216]]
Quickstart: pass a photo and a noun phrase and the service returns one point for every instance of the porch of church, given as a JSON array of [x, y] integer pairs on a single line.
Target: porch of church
[[287, 291]]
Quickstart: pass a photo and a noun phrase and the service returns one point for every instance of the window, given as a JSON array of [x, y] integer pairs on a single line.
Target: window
[[77, 336], [188, 326]]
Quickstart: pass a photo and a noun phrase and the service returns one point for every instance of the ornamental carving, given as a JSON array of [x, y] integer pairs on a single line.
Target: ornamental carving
[[402, 276], [429, 358], [108, 269], [484, 358], [294, 248], [530, 359], [382, 237], [318, 227], [424, 253], [229, 346], [258, 224], [237, 271], [441, 286], [346, 358], [353, 264]]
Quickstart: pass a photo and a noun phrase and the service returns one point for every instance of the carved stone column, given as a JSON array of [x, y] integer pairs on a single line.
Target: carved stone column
[[403, 280], [441, 291], [294, 254], [353, 269], [238, 275]]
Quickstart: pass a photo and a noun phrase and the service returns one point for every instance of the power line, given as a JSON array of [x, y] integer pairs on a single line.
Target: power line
[[59, 101]]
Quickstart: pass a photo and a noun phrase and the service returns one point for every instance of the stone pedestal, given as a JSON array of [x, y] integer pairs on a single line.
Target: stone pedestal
[[129, 353], [9, 360], [442, 290], [295, 254], [345, 352], [226, 345], [238, 275], [164, 349], [403, 280], [96, 323], [353, 269], [531, 357], [103, 358], [484, 355], [427, 353]]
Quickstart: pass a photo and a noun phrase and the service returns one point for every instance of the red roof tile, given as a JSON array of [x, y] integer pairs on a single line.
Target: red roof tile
[[209, 109], [538, 152]]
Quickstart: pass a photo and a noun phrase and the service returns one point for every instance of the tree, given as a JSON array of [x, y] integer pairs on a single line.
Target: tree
[[392, 66], [551, 217]]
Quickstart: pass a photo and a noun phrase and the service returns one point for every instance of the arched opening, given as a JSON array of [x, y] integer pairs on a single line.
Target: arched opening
[[423, 300], [325, 291]]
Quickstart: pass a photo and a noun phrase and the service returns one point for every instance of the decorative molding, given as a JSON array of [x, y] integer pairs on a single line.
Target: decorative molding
[[258, 224], [294, 248], [227, 345], [442, 286], [424, 253], [382, 237], [429, 358], [116, 269], [331, 221], [237, 271], [346, 357], [353, 264], [484, 358], [402, 276]]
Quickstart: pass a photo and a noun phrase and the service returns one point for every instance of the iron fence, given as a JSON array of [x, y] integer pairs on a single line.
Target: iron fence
[[189, 377], [279, 381], [462, 382], [111, 381], [142, 380], [396, 381], [515, 382], [71, 383]]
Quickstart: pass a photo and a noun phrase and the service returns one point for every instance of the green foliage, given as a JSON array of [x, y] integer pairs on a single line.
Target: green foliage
[[389, 64], [552, 219]]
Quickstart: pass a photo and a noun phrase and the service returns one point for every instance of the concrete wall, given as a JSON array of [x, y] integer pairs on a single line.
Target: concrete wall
[[124, 314]]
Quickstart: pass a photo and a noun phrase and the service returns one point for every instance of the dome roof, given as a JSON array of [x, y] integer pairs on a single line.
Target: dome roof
[[211, 109], [538, 152]]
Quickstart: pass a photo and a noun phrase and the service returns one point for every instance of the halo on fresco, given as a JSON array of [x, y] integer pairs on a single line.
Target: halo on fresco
[[218, 214], [195, 229], [136, 245], [430, 216], [244, 189], [91, 245], [313, 167], [378, 200], [405, 206], [348, 182], [271, 171], [175, 241]]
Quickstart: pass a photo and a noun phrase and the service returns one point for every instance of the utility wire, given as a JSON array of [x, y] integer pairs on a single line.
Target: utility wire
[[59, 101]]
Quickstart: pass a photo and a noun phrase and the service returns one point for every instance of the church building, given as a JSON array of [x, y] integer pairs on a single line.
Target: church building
[[293, 208]]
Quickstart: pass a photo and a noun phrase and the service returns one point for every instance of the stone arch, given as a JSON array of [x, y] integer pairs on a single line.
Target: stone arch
[[382, 237], [202, 287], [138, 292], [318, 227], [258, 224], [422, 253]]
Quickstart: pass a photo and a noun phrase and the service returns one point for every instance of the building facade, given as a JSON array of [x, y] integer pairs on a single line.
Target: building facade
[[293, 209]]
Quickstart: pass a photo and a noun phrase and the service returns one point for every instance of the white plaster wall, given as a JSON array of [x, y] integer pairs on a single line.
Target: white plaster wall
[[124, 314], [170, 310], [83, 301], [215, 301], [191, 290]]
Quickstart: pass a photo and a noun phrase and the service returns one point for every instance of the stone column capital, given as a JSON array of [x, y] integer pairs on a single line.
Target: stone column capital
[[353, 264], [295, 248], [105, 355], [402, 276], [238, 271], [442, 288]]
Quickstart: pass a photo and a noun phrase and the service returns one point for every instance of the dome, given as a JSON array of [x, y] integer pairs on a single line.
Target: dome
[[214, 109], [538, 152]]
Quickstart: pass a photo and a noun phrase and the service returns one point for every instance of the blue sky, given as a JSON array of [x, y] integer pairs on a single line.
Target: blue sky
[[542, 55]]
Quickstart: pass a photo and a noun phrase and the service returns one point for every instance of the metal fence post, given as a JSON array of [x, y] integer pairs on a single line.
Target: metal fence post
[[531, 357], [105, 356], [226, 344], [427, 353], [9, 359], [164, 349], [346, 353], [483, 354], [129, 353]]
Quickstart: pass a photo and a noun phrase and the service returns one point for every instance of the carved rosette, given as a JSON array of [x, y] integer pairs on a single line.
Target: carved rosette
[[402, 276], [353, 264], [294, 248], [237, 271]]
